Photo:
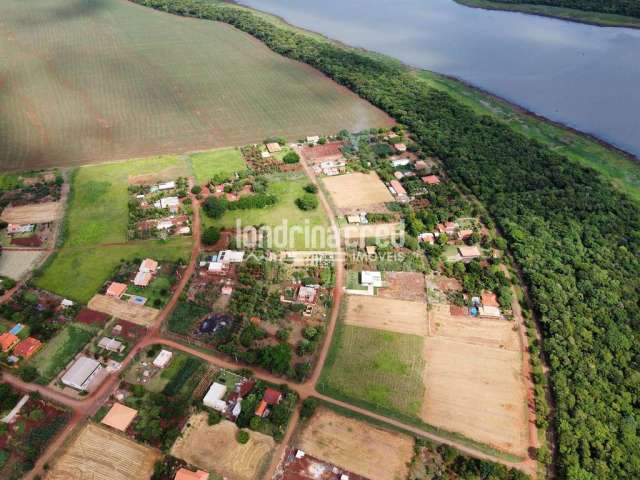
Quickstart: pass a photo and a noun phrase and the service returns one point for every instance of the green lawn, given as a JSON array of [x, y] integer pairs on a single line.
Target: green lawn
[[226, 161], [394, 366], [59, 351], [78, 273], [287, 187], [623, 172], [154, 291]]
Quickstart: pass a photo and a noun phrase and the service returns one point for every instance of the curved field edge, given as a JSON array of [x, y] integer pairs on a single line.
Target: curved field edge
[[569, 14]]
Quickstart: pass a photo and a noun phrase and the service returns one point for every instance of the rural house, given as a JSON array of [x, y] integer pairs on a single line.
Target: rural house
[[273, 147], [27, 347], [430, 180], [214, 397], [271, 397], [148, 266], [116, 289], [184, 474], [163, 359], [8, 341], [119, 417], [468, 253]]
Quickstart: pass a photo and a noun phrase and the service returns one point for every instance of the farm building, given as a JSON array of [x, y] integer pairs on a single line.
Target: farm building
[[214, 397], [464, 234], [373, 279], [172, 203], [307, 295], [430, 179], [400, 162], [398, 189], [119, 417], [116, 289], [400, 147], [110, 344], [8, 341], [469, 252], [448, 228], [421, 165], [427, 237], [81, 373], [27, 347], [163, 359], [184, 474], [13, 228], [230, 256], [313, 139], [167, 186], [148, 266], [273, 147], [217, 267], [142, 279]]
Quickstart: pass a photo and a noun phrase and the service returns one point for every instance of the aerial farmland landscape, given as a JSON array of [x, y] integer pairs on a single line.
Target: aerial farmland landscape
[[255, 243]]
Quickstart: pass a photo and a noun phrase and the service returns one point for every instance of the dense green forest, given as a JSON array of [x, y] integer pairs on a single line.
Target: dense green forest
[[576, 239], [630, 8]]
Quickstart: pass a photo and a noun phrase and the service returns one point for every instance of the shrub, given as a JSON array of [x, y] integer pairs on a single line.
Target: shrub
[[309, 406], [213, 417], [307, 202], [291, 157], [210, 236], [311, 188], [214, 207], [196, 189], [242, 436]]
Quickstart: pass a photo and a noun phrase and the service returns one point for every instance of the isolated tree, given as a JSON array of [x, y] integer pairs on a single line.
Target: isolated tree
[[211, 235]]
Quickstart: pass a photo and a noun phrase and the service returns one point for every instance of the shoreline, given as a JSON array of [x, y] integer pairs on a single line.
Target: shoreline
[[532, 9]]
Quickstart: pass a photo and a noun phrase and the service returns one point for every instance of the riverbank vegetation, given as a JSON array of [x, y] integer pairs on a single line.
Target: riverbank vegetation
[[575, 237], [606, 13]]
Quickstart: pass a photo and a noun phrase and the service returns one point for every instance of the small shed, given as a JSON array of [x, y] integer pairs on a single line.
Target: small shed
[[373, 279], [119, 417], [163, 359]]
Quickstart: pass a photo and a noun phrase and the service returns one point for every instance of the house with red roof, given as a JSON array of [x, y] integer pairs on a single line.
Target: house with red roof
[[8, 341], [271, 397], [431, 180], [27, 347]]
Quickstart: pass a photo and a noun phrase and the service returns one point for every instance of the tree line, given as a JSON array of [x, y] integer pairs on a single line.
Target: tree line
[[575, 238], [630, 8]]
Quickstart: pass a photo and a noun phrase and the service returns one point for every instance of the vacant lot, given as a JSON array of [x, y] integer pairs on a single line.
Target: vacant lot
[[357, 446], [224, 162], [214, 448], [149, 82], [357, 234], [387, 314], [17, 265], [36, 213], [101, 454], [357, 190], [393, 364], [408, 286], [473, 380], [138, 314], [287, 187]]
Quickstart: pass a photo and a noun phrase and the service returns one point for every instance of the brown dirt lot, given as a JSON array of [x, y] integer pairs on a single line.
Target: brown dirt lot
[[17, 265], [408, 286], [138, 314], [165, 175], [101, 454], [214, 448], [36, 213], [387, 314], [473, 380], [356, 446], [357, 190]]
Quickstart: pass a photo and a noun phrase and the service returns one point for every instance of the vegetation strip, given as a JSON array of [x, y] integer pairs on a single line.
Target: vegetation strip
[[574, 236]]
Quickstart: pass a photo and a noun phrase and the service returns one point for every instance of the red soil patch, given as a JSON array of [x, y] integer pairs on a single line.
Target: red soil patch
[[323, 153], [91, 317]]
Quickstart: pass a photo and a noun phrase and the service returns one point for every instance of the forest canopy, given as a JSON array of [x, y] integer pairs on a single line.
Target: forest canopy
[[575, 238], [630, 8]]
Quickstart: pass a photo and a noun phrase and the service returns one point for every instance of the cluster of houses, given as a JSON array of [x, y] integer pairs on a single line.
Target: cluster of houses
[[219, 264], [145, 274], [230, 403], [17, 348], [331, 168]]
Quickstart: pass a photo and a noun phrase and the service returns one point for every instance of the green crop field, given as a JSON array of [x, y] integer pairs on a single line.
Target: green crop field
[[226, 161], [91, 80], [287, 187], [393, 363]]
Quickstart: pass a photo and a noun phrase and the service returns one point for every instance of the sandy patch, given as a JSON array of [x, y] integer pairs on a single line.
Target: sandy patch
[[36, 213], [387, 314], [214, 448], [357, 190], [100, 454], [408, 286], [357, 446], [18, 264], [138, 314]]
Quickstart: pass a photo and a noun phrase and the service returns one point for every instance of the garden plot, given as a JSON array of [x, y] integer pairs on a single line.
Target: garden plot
[[36, 213], [473, 380], [214, 448], [357, 190], [101, 454], [387, 314], [138, 314], [357, 446]]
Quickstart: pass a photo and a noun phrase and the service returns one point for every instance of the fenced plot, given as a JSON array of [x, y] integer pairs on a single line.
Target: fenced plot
[[409, 286], [387, 314], [36, 213], [356, 446], [357, 190], [150, 82], [138, 314], [473, 380], [215, 449], [101, 454]]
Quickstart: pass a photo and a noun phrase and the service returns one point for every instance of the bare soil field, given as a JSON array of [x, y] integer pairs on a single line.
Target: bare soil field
[[17, 265], [138, 314], [36, 213], [409, 286], [144, 85], [169, 173], [330, 151], [214, 448], [357, 234], [387, 314], [357, 190], [473, 380], [101, 454], [356, 446]]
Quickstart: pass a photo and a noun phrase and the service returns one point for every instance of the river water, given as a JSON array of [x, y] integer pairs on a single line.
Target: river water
[[584, 76]]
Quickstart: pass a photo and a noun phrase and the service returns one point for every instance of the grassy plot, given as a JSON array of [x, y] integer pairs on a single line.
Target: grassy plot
[[623, 172], [59, 351], [150, 82], [393, 363], [287, 187], [78, 273], [206, 165]]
